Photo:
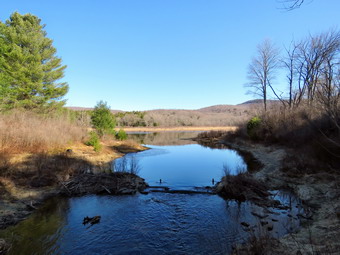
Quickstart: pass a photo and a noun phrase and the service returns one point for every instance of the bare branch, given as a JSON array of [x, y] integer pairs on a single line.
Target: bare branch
[[290, 5]]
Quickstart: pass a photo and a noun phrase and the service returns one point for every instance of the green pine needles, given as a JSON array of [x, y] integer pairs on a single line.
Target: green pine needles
[[29, 68], [102, 119]]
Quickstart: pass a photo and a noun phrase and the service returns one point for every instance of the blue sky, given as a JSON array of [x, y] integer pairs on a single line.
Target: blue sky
[[156, 54]]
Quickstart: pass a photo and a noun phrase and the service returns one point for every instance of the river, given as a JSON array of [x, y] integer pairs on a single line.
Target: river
[[155, 223]]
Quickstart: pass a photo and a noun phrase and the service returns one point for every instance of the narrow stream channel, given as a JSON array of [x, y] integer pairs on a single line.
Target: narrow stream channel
[[156, 223]]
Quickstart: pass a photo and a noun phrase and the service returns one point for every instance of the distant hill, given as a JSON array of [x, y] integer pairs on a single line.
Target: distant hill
[[214, 108], [255, 101], [216, 115], [221, 108], [259, 101]]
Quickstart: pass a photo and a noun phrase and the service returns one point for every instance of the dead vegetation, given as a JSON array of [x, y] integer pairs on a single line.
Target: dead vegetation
[[256, 245], [213, 135], [244, 186], [113, 184], [29, 132]]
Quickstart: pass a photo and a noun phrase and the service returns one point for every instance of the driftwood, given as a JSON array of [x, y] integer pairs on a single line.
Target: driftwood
[[113, 183]]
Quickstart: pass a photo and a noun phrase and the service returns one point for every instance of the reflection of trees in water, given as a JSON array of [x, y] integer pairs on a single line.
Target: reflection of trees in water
[[38, 233], [212, 145], [164, 138], [127, 164]]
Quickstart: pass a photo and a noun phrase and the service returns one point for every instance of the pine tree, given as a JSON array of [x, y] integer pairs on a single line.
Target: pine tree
[[29, 67], [102, 119]]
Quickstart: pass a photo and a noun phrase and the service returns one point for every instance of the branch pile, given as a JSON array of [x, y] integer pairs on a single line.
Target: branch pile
[[113, 183]]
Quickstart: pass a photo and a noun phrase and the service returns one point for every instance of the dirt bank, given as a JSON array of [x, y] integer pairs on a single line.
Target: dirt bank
[[320, 191], [29, 179]]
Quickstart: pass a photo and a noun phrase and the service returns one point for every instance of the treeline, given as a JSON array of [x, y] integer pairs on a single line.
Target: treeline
[[230, 116]]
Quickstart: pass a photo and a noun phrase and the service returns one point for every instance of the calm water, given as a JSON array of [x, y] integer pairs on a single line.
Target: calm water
[[185, 166], [157, 223]]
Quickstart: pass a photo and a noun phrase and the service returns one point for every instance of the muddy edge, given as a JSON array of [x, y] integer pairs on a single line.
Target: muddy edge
[[320, 192]]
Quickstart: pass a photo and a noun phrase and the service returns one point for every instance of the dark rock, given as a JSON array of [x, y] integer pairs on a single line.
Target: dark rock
[[69, 151], [245, 224]]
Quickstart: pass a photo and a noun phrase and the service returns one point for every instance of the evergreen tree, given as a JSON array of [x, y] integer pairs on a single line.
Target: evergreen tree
[[102, 119], [29, 69]]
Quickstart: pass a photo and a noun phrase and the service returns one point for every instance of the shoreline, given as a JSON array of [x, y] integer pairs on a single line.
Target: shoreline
[[17, 202], [320, 192]]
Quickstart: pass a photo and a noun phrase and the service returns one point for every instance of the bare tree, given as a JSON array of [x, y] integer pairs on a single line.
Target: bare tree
[[314, 56], [288, 63], [261, 71]]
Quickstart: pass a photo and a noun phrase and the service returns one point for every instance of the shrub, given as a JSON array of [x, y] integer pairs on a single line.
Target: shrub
[[121, 135], [94, 141], [102, 119], [253, 126]]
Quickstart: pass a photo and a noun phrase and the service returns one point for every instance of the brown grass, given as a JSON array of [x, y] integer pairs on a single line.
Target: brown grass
[[22, 131], [309, 131], [242, 187], [213, 134]]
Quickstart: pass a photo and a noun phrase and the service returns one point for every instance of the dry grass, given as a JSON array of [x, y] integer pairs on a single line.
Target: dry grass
[[310, 131], [22, 131], [214, 134], [242, 187]]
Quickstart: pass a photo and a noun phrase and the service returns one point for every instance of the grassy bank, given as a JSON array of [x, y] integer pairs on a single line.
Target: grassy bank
[[38, 153], [29, 132]]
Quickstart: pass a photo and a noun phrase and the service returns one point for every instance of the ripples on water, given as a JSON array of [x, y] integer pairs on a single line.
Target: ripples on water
[[157, 223]]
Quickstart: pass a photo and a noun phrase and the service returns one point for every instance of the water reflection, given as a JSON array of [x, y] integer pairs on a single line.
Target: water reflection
[[185, 166], [41, 232], [164, 138], [156, 223]]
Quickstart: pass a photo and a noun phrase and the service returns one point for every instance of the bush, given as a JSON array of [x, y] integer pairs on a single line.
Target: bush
[[102, 119], [253, 126], [94, 141], [121, 135]]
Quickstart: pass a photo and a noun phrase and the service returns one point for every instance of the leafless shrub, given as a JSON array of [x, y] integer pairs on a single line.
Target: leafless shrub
[[257, 244], [242, 187]]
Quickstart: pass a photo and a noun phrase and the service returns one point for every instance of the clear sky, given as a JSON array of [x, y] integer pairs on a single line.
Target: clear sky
[[179, 54]]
